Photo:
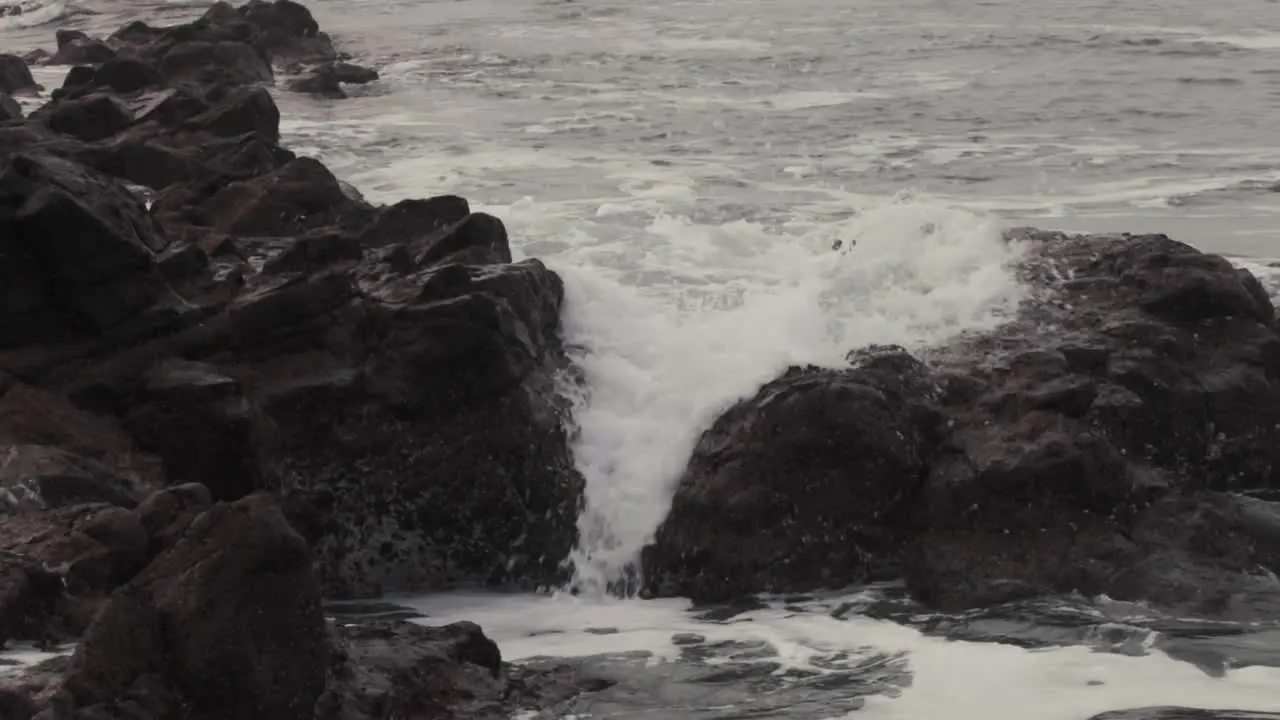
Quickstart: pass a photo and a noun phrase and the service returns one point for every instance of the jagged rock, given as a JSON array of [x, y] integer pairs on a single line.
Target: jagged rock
[[245, 110], [199, 422], [327, 80], [92, 117], [78, 231], [127, 75], [1084, 438], [299, 197], [793, 490], [252, 640], [15, 78], [229, 62]]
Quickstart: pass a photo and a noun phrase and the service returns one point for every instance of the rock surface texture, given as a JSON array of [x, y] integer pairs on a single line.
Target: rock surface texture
[[229, 387], [1119, 436]]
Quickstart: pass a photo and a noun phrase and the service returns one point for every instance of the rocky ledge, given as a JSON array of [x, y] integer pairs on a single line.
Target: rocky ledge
[[230, 387], [1120, 436]]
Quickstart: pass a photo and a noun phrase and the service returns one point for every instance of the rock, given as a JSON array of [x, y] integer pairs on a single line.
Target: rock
[[39, 477], [327, 80], [1083, 446], [245, 110], [79, 232], [167, 514], [288, 31], [92, 117], [299, 197], [80, 49], [64, 37], [29, 595], [15, 78], [383, 457], [452, 671], [79, 77], [227, 62], [171, 107], [199, 422], [9, 108], [252, 640], [127, 75], [792, 490]]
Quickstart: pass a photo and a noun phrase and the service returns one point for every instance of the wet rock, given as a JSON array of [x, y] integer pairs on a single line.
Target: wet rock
[[299, 197], [38, 477], [79, 232], [29, 595], [328, 79], [793, 489], [127, 75], [198, 421], [1080, 447], [91, 117], [451, 671], [245, 110], [227, 62], [9, 108], [15, 78], [252, 641], [76, 48]]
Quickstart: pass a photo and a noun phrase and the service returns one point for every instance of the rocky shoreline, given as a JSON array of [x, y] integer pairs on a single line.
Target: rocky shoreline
[[1119, 436], [230, 387]]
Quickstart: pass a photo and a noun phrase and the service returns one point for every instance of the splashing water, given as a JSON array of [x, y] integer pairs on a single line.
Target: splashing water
[[695, 316]]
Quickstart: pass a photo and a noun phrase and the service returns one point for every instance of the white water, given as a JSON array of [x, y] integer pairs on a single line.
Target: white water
[[673, 326], [949, 679]]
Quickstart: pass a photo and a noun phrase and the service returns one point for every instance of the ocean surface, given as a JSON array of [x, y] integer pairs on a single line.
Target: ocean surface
[[731, 186]]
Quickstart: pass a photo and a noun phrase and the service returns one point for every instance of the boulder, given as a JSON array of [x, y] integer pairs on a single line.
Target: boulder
[[795, 488], [78, 251], [225, 623], [198, 421], [327, 80], [76, 48], [127, 75], [227, 61], [1092, 434], [95, 116], [451, 671], [15, 77]]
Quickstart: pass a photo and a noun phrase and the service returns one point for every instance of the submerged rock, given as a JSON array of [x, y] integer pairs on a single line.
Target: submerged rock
[[1083, 446]]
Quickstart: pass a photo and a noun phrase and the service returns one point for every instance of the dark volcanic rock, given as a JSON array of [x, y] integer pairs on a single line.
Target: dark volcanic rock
[[226, 623], [15, 78], [795, 490], [233, 319], [91, 117], [1081, 446], [453, 671], [77, 248], [127, 75], [230, 62], [327, 80]]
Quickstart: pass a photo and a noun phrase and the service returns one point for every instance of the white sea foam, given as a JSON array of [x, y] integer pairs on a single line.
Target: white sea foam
[[953, 679], [30, 13], [676, 321]]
